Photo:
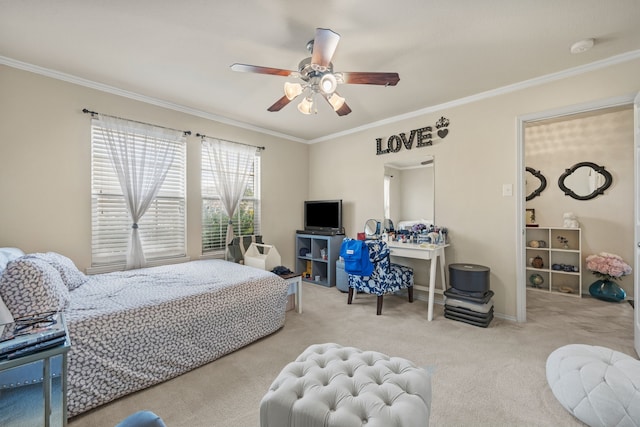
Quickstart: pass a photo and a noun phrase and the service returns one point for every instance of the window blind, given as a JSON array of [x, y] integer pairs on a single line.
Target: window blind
[[163, 226], [246, 219]]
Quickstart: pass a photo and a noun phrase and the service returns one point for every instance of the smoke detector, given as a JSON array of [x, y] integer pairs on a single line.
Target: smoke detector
[[582, 45]]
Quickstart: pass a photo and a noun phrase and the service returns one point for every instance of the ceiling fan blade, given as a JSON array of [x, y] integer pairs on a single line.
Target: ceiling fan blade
[[344, 110], [261, 70], [383, 79], [279, 104], [324, 46]]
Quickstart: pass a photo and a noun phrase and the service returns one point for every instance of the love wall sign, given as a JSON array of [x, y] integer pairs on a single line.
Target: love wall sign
[[422, 137]]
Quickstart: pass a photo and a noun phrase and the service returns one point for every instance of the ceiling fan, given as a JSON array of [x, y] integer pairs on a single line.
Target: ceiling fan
[[318, 77]]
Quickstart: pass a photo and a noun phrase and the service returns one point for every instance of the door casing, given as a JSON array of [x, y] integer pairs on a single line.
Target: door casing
[[521, 291]]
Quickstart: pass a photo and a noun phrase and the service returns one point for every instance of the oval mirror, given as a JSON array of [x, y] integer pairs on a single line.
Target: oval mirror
[[371, 228], [585, 181], [535, 183]]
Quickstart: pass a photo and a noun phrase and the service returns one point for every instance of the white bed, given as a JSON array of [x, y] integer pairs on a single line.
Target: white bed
[[130, 330]]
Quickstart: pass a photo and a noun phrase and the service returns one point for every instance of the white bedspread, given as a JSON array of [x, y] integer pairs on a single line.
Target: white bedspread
[[130, 330]]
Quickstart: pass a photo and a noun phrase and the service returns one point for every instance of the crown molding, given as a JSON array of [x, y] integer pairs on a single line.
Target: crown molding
[[142, 98], [617, 59]]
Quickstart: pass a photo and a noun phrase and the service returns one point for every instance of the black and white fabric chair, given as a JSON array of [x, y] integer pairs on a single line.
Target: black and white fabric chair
[[386, 277]]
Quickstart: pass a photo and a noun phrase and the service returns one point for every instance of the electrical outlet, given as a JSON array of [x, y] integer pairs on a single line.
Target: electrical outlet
[[507, 190]]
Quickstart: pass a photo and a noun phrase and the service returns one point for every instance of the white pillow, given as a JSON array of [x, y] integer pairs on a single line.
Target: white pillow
[[4, 260], [71, 276], [5, 314], [9, 254]]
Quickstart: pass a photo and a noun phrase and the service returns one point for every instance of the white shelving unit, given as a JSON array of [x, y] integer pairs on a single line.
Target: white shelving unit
[[561, 269]]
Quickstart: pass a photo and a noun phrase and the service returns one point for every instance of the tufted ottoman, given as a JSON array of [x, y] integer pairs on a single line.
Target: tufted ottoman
[[330, 385], [599, 386]]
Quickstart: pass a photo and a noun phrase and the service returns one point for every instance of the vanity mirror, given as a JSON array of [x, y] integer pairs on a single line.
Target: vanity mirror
[[585, 181], [372, 229], [409, 191], [535, 182]]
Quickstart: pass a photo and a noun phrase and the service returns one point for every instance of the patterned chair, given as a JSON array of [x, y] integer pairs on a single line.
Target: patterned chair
[[386, 277]]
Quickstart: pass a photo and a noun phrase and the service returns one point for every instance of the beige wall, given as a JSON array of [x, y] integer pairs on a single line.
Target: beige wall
[[472, 163], [604, 138], [44, 162], [45, 167]]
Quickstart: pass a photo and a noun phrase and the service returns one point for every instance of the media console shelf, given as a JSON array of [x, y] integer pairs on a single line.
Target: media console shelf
[[554, 260], [316, 256]]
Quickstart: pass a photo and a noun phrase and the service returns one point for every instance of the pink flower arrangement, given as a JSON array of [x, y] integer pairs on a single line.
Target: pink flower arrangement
[[608, 266]]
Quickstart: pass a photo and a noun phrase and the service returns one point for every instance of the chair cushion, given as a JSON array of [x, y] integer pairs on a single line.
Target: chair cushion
[[599, 386], [399, 277]]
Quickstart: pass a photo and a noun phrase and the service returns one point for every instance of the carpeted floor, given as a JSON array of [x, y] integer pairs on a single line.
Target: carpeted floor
[[491, 376]]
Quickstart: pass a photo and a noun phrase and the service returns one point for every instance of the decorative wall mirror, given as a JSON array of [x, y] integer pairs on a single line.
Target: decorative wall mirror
[[535, 182], [585, 181], [409, 191]]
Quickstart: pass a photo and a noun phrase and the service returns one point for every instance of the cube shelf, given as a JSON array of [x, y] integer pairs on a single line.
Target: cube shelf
[[316, 257], [554, 260]]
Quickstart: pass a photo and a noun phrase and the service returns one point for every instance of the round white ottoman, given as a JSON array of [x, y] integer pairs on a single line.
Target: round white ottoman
[[330, 385], [599, 386]]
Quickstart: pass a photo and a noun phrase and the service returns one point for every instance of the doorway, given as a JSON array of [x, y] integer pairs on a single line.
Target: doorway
[[551, 202]]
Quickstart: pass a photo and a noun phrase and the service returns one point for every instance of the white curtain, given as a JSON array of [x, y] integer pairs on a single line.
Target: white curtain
[[141, 156], [231, 164]]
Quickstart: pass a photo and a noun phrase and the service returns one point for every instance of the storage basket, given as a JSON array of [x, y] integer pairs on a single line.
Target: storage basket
[[265, 258]]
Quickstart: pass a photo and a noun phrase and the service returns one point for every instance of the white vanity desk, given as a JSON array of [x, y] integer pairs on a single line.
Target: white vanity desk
[[426, 252]]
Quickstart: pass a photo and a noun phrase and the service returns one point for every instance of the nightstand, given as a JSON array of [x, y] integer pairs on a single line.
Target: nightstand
[[34, 388], [295, 280]]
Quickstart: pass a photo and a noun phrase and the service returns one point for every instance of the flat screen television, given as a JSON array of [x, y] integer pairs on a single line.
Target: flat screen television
[[323, 216]]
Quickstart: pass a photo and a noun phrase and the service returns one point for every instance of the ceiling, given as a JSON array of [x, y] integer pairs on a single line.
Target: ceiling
[[178, 53]]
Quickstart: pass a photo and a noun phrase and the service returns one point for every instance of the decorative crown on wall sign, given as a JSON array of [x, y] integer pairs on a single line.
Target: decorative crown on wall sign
[[422, 136]]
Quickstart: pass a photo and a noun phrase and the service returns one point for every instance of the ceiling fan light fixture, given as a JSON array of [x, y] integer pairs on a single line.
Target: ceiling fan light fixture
[[317, 77], [336, 101], [291, 90], [306, 105], [328, 83]]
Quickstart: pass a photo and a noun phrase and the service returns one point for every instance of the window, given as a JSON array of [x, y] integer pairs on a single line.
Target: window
[[246, 219], [387, 196], [162, 228]]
